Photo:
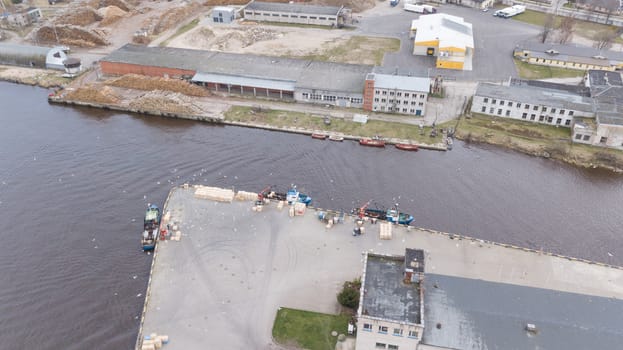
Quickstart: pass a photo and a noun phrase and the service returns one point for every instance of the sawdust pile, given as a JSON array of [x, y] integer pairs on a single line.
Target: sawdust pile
[[117, 3], [111, 14], [138, 82], [71, 35], [167, 102], [94, 93], [247, 36], [81, 16], [173, 17]]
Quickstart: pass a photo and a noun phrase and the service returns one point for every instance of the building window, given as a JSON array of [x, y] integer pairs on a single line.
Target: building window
[[313, 17], [550, 119], [541, 118], [398, 332], [275, 15], [294, 16], [603, 139], [404, 110], [367, 327], [500, 111], [413, 103], [377, 92], [527, 106], [383, 100], [406, 94], [567, 122], [383, 329], [553, 110], [535, 108], [501, 102], [532, 116], [508, 112], [413, 334], [422, 96], [376, 99], [578, 136], [322, 18], [518, 105], [484, 109], [491, 110], [486, 100], [391, 100], [412, 111], [399, 94], [420, 104], [328, 98], [392, 347], [305, 95], [558, 121], [356, 100], [283, 15], [391, 93], [493, 101], [544, 109], [562, 111], [570, 112], [405, 102], [384, 92], [586, 137], [510, 104], [380, 345], [524, 116]]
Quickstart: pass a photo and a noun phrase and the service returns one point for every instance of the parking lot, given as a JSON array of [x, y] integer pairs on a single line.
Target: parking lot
[[494, 41]]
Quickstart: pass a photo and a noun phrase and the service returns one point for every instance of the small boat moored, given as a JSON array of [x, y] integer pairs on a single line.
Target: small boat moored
[[407, 146], [372, 142], [337, 138], [294, 196], [151, 228], [319, 136]]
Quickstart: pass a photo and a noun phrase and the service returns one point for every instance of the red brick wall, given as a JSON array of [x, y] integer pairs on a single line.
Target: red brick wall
[[115, 68], [368, 95]]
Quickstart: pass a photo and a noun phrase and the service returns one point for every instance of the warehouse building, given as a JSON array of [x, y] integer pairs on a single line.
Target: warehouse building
[[446, 37], [331, 16], [391, 308], [33, 56], [568, 56], [222, 14], [396, 94]]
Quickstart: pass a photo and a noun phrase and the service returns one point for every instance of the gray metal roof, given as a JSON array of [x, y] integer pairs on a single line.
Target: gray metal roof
[[272, 84], [604, 78], [333, 76], [536, 96], [568, 51], [478, 315], [386, 81], [158, 56], [293, 8], [414, 259], [385, 293], [23, 50]]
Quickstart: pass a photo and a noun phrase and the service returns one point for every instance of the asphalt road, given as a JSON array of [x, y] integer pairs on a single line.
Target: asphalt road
[[494, 41]]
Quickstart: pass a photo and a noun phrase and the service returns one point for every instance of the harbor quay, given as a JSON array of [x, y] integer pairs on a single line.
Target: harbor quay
[[222, 282]]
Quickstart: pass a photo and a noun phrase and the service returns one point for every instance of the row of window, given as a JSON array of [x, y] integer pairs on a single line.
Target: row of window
[[404, 110], [413, 103], [383, 329], [386, 346], [542, 118], [398, 94], [526, 106], [330, 98], [285, 15], [576, 65], [582, 137]]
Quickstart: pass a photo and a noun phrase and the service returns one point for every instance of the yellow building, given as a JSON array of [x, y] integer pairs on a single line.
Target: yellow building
[[446, 37]]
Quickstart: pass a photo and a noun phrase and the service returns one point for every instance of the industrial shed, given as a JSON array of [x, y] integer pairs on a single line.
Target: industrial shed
[[568, 56], [446, 37], [33, 56], [331, 16], [223, 14]]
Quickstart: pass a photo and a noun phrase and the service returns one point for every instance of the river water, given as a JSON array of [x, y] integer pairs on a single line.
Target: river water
[[74, 184]]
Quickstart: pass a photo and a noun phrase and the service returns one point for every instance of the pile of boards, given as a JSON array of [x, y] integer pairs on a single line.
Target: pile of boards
[[214, 193]]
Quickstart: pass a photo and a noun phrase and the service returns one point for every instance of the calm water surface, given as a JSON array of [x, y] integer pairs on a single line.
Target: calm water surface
[[74, 184]]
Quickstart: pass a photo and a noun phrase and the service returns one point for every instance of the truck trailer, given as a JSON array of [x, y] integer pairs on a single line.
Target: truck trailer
[[510, 11], [414, 8]]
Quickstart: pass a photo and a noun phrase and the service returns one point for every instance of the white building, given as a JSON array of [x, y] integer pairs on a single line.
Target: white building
[[391, 304], [539, 102], [396, 94], [446, 37], [223, 14], [331, 16]]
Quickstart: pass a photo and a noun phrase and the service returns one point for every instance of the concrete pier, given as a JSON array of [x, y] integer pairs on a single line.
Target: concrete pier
[[220, 286]]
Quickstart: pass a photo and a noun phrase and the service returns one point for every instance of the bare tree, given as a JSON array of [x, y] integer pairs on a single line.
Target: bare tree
[[548, 26], [566, 27], [604, 39]]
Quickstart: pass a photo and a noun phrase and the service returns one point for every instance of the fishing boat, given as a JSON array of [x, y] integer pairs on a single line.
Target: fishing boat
[[372, 142], [294, 196], [336, 138], [407, 147], [397, 217], [391, 215], [151, 228], [319, 136], [449, 143]]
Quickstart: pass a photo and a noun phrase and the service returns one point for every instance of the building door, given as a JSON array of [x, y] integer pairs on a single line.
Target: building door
[[418, 112], [430, 51]]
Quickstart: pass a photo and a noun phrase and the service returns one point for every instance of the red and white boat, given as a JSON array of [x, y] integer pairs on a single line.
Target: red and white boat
[[337, 138], [372, 142], [407, 147], [319, 136]]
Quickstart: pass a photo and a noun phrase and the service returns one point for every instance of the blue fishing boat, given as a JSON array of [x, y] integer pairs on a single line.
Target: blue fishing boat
[[395, 216], [151, 228], [294, 195]]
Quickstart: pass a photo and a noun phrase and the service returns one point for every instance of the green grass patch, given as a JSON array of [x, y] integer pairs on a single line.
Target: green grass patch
[[357, 49], [308, 330], [535, 71], [183, 29], [511, 127], [279, 118]]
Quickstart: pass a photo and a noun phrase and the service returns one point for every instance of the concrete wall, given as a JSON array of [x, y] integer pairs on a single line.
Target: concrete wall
[[388, 100], [517, 110], [609, 135], [116, 68], [327, 97], [370, 335], [286, 17]]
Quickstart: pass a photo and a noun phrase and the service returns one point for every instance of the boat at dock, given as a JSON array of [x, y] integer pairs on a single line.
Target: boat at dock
[[337, 138], [372, 142], [407, 146], [391, 215], [151, 227], [294, 196], [319, 136]]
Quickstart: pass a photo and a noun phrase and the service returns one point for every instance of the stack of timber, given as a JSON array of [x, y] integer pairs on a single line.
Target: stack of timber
[[214, 193], [385, 230]]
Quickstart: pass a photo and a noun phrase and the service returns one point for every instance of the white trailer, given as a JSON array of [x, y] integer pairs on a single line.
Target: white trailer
[[414, 8], [429, 9], [510, 11]]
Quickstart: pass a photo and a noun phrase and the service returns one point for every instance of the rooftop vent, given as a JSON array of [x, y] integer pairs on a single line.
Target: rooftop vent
[[552, 52], [600, 57]]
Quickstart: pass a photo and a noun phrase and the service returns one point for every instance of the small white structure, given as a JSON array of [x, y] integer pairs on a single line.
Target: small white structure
[[33, 56], [223, 14]]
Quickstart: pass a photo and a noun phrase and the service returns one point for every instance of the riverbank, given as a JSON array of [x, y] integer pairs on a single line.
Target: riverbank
[[31, 76], [537, 140]]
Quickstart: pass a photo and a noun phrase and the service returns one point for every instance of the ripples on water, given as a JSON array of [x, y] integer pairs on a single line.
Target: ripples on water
[[74, 184]]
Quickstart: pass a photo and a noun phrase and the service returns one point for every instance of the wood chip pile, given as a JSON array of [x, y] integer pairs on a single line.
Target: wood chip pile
[[173, 17], [165, 102], [71, 35], [80, 16], [111, 14], [138, 82], [94, 94]]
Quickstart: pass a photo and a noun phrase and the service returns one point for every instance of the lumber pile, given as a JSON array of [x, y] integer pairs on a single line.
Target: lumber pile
[[140, 82], [385, 230], [214, 193]]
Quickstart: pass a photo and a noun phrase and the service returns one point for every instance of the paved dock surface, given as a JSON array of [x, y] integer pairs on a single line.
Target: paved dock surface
[[221, 284]]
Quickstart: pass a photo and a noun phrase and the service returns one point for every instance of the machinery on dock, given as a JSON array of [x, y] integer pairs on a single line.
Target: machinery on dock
[[391, 215], [151, 227], [292, 196]]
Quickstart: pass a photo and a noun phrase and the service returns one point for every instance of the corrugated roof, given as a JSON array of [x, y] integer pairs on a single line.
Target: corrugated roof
[[451, 31], [245, 81], [386, 81], [535, 95], [14, 49], [292, 8], [570, 50]]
